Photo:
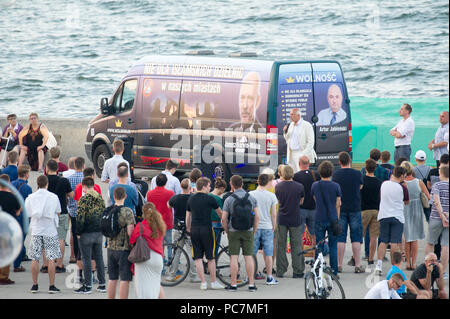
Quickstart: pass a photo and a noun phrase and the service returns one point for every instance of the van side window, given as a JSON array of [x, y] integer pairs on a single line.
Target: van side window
[[124, 98]]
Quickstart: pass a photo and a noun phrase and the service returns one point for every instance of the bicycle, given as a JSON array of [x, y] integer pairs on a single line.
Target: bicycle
[[320, 282], [177, 262]]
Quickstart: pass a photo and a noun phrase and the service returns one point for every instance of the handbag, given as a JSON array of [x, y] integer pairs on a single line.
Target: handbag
[[51, 141], [424, 200], [335, 225], [140, 251]]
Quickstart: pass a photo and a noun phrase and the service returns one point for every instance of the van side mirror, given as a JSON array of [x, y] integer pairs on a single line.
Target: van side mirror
[[104, 107]]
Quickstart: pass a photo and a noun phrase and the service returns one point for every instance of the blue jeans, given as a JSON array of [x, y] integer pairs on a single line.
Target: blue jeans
[[19, 258], [218, 238], [168, 240], [321, 229], [354, 221], [402, 151]]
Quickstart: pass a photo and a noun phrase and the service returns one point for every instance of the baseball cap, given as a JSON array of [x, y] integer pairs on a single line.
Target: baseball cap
[[420, 155]]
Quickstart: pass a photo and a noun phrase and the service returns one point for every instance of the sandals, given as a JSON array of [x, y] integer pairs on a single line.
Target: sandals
[[360, 270]]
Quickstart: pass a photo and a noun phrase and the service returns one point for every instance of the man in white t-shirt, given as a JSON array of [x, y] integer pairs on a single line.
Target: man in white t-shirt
[[267, 204], [391, 215], [173, 183], [110, 168], [403, 133], [43, 208], [386, 289]]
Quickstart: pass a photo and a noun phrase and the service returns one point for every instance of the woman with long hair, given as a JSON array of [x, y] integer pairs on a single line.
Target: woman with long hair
[[148, 273]]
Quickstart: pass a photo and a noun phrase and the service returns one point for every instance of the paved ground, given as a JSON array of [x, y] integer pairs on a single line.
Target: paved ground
[[355, 285]]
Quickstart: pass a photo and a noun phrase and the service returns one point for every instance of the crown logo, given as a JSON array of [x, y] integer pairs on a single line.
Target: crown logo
[[118, 123], [290, 80]]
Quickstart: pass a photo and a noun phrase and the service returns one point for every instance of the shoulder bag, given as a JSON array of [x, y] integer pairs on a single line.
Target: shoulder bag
[[140, 251], [336, 227]]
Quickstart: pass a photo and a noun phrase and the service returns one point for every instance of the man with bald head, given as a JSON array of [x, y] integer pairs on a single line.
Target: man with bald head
[[439, 145], [426, 274], [299, 135], [249, 101], [334, 114]]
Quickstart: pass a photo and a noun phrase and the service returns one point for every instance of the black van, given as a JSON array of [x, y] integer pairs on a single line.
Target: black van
[[224, 115]]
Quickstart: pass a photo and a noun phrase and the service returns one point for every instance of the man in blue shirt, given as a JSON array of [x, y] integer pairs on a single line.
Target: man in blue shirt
[[11, 169], [413, 291], [24, 189], [131, 200]]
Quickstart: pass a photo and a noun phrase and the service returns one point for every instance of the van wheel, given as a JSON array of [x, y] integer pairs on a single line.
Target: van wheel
[[101, 154]]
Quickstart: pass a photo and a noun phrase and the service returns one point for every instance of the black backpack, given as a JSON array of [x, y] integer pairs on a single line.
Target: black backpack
[[242, 217], [110, 222]]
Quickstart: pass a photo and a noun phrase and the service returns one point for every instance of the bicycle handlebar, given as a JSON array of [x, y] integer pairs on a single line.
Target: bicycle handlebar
[[315, 247]]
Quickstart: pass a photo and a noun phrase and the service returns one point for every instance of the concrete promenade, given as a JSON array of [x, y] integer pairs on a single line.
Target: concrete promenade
[[355, 285]]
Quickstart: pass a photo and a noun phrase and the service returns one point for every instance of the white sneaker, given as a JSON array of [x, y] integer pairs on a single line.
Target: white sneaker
[[204, 286], [195, 279], [271, 281], [216, 285]]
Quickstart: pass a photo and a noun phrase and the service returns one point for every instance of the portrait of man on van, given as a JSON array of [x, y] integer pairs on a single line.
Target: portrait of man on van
[[249, 101], [334, 113]]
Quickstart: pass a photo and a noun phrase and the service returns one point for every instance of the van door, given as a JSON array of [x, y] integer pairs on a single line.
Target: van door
[[122, 125], [294, 91], [332, 111], [157, 120]]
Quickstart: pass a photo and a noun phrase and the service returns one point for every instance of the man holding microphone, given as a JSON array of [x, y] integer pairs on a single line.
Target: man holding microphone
[[299, 135]]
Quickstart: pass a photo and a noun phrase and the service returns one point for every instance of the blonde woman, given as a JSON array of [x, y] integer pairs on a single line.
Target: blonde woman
[[148, 273], [414, 229]]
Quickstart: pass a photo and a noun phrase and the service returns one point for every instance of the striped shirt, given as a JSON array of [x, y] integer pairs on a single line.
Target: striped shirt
[[74, 180], [441, 189]]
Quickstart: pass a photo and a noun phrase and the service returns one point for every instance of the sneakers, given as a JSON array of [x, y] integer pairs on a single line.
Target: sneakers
[[259, 276], [101, 288], [204, 286], [83, 290], [360, 270], [271, 281], [252, 288], [60, 270], [6, 282], [44, 270], [195, 279], [231, 288], [19, 269], [216, 285], [34, 289], [53, 290]]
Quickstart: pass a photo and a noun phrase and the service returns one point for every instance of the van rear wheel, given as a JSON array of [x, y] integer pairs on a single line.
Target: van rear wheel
[[101, 154]]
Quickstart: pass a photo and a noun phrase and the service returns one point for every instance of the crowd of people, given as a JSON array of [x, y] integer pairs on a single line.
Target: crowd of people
[[381, 207]]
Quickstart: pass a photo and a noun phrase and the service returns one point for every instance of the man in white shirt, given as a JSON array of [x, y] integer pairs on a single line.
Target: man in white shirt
[[71, 170], [299, 135], [110, 168], [267, 204], [44, 208], [391, 215], [403, 133], [173, 183], [386, 289], [334, 114], [439, 145]]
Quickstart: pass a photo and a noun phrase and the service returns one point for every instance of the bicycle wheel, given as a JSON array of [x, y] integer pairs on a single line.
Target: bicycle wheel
[[176, 266], [223, 268], [310, 286], [334, 288]]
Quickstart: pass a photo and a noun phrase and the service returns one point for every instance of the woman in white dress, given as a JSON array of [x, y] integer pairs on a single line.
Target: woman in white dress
[[414, 229], [148, 273]]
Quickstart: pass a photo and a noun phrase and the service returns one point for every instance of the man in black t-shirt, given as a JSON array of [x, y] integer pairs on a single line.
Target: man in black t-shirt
[[179, 202], [60, 186], [426, 274], [10, 205], [351, 182], [307, 177], [199, 225], [370, 204]]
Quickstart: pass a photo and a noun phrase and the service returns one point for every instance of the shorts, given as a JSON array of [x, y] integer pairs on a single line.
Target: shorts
[[391, 230], [49, 244], [240, 239], [264, 239], [369, 218], [354, 221], [63, 226], [203, 242], [309, 217], [118, 265], [435, 229]]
